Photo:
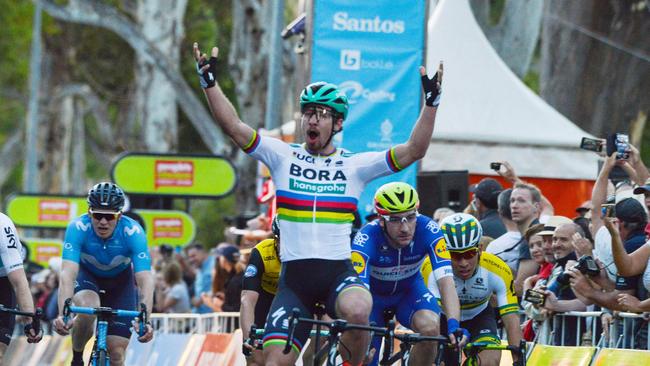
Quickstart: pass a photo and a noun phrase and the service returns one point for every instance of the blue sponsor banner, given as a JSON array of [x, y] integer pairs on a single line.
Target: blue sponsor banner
[[372, 51]]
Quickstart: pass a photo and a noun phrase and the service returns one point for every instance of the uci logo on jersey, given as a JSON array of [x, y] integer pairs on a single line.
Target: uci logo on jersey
[[359, 262], [307, 158]]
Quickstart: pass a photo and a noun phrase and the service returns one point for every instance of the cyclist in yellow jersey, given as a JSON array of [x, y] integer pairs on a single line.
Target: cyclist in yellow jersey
[[478, 276], [259, 285]]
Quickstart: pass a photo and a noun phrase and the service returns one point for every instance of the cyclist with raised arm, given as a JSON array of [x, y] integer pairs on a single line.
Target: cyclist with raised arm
[[388, 253], [14, 288], [105, 255], [318, 186], [478, 275]]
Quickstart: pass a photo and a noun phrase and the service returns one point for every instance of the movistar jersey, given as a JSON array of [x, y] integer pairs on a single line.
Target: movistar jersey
[[492, 276], [388, 270], [11, 257], [317, 195], [107, 258]]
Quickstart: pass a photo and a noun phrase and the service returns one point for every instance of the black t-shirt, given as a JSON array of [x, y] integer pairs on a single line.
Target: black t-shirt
[[524, 250], [492, 224], [633, 243], [232, 293]]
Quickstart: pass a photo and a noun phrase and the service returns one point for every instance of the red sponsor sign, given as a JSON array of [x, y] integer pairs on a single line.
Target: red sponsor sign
[[167, 228], [174, 173], [53, 210]]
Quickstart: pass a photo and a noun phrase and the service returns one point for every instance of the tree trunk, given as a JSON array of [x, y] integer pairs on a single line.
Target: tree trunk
[[161, 23], [596, 62], [515, 35], [98, 14], [247, 61]]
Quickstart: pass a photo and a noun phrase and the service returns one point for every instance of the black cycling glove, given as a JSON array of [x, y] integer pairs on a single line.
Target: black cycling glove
[[431, 90], [208, 76]]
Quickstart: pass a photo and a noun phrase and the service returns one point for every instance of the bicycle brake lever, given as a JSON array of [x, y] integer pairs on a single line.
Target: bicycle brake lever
[[66, 310], [293, 321], [143, 320]]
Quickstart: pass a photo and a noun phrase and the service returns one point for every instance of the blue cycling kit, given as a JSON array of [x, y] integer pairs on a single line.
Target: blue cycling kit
[[393, 275], [107, 258], [106, 266]]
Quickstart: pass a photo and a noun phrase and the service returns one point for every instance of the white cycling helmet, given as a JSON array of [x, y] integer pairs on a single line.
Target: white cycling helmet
[[461, 231]]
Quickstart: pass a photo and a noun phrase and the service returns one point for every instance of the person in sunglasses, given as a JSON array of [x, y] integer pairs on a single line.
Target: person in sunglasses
[[478, 275], [388, 252], [105, 255]]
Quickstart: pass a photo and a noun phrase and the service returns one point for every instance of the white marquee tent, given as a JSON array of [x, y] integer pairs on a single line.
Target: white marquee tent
[[487, 114]]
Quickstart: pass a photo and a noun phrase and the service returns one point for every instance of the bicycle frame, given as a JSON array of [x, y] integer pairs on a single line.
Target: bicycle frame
[[407, 341], [472, 351], [336, 329], [104, 314]]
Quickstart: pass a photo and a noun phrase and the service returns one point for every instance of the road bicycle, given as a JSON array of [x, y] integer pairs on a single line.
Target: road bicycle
[[100, 355]]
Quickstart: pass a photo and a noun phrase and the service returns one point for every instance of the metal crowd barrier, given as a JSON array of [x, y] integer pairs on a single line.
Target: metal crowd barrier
[[189, 323], [625, 330]]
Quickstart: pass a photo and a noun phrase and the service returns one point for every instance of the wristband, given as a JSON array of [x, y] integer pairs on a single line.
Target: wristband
[[452, 325]]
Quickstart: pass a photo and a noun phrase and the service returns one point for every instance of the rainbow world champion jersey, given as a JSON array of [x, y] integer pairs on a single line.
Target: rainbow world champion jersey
[[317, 195]]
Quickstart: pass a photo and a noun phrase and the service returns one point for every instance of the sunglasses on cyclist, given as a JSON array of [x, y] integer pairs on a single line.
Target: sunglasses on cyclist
[[467, 254], [401, 219], [321, 113], [109, 216]]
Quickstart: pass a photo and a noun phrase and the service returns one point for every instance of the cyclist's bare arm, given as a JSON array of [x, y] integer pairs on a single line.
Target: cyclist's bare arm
[[247, 311], [223, 111], [449, 296], [511, 323], [144, 280], [69, 271], [416, 147], [18, 281]]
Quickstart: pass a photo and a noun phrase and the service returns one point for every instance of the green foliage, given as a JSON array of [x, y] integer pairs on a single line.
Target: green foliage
[[208, 215], [496, 10], [531, 79], [210, 24]]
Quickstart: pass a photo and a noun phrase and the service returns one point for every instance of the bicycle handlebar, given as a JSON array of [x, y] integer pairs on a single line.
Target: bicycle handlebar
[[336, 327], [106, 313], [36, 316]]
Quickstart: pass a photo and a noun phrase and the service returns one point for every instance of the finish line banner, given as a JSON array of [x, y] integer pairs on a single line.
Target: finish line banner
[[372, 51]]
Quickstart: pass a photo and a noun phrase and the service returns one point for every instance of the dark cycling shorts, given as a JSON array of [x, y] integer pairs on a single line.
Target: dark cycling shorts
[[262, 307], [118, 292], [303, 283], [7, 321], [404, 304], [482, 328]]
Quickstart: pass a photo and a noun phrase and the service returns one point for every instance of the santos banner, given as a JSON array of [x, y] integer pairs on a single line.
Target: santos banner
[[373, 54]]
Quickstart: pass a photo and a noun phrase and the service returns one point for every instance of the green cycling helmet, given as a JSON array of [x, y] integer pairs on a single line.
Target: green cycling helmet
[[462, 231], [324, 94], [396, 197]]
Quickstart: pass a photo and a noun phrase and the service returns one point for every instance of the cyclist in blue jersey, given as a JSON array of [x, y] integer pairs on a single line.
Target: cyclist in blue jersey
[[101, 252], [388, 253], [318, 186], [14, 288]]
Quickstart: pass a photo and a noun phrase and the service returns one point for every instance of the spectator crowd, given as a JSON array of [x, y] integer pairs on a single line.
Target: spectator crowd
[[596, 260]]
